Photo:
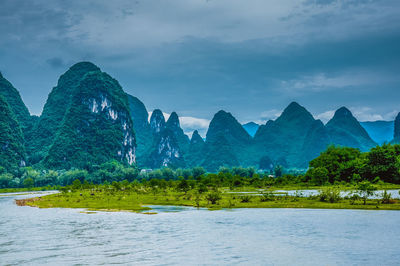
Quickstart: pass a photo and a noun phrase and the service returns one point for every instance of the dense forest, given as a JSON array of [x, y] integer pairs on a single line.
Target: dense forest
[[335, 166]]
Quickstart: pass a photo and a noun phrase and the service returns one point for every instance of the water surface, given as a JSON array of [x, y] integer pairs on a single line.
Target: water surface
[[180, 235]]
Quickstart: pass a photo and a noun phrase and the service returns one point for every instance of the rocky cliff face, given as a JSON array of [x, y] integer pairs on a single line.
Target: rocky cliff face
[[174, 125], [157, 121], [170, 144], [12, 151], [167, 152], [97, 126], [345, 130]]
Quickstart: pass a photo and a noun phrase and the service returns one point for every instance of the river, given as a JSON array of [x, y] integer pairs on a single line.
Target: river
[[179, 235]]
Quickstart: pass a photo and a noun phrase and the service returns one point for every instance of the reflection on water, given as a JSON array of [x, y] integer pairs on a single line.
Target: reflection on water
[[182, 235]]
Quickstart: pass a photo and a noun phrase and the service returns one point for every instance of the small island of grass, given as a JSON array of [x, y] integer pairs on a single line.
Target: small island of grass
[[125, 196]]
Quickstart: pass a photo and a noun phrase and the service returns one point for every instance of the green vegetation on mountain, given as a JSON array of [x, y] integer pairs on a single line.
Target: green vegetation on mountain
[[12, 151], [56, 107], [167, 152], [345, 130], [226, 131], [174, 125], [285, 137], [22, 115], [143, 131], [170, 144], [12, 96], [218, 152], [196, 149], [89, 120], [96, 128], [157, 121]]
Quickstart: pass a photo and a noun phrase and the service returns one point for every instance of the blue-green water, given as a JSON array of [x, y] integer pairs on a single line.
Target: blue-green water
[[188, 236]]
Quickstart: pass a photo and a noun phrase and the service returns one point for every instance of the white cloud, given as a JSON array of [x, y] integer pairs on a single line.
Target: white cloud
[[325, 116], [271, 114], [369, 114], [361, 113]]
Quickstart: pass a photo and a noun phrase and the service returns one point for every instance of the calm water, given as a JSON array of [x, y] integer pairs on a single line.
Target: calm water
[[188, 236]]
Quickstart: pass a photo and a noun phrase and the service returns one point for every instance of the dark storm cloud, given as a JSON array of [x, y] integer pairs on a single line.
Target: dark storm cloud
[[196, 57]]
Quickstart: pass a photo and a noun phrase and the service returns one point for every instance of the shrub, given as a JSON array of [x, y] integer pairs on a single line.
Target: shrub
[[331, 195], [213, 197], [267, 196], [245, 198], [386, 197]]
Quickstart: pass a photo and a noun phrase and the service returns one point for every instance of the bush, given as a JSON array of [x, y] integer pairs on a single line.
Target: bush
[[245, 198], [331, 195], [213, 197], [386, 197], [267, 196]]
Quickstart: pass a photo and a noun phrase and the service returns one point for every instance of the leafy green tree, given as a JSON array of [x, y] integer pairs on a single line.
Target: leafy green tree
[[76, 184], [28, 182], [213, 197], [183, 186], [384, 161], [198, 171], [366, 189], [318, 175], [338, 162], [278, 170], [5, 180]]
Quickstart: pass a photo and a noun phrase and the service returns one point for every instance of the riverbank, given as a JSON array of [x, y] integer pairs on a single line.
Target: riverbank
[[109, 200]]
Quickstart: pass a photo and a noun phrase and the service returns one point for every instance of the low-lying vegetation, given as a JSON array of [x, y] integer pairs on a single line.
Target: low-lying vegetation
[[134, 196]]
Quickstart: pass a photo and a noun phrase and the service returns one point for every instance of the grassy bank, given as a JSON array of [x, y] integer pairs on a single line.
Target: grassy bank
[[112, 200]]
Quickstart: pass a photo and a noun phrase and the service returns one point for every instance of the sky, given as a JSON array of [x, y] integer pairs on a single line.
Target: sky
[[248, 57]]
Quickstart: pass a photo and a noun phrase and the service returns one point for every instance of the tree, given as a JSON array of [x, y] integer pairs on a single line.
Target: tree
[[213, 197], [183, 185], [319, 175], [198, 171], [366, 189], [278, 171], [384, 161], [5, 180], [28, 182], [341, 163]]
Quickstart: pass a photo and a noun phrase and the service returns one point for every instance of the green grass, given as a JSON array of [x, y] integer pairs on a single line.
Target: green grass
[[110, 200]]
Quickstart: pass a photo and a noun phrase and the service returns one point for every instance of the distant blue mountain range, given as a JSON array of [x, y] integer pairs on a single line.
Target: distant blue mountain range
[[379, 131], [251, 128]]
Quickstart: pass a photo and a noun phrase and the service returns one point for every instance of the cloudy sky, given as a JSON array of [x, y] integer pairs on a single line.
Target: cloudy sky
[[248, 57]]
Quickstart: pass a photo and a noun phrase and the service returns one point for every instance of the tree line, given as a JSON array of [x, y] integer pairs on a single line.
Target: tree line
[[335, 165]]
